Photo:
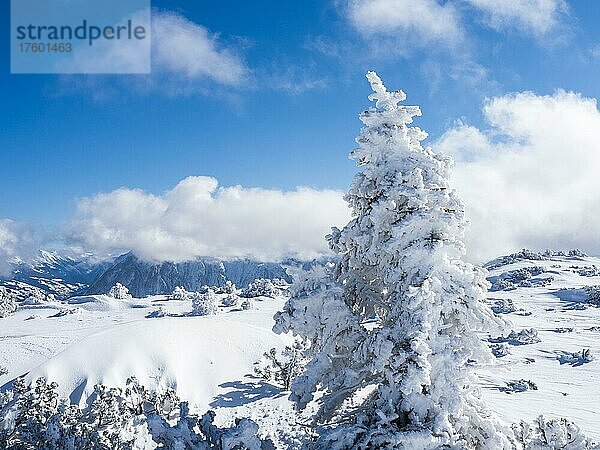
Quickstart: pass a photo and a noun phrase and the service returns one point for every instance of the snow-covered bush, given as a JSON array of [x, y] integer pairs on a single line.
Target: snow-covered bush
[[555, 434], [264, 287], [231, 300], [119, 292], [247, 304], [391, 329], [228, 288], [34, 417], [204, 304], [157, 313], [7, 303], [179, 293], [38, 297], [521, 278], [519, 386], [523, 337], [586, 271], [281, 367], [576, 358], [499, 350], [529, 255], [504, 306], [67, 312], [3, 371], [593, 294]]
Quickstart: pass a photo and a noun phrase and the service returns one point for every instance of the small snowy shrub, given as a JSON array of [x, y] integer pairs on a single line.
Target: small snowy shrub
[[586, 271], [500, 350], [523, 337], [263, 287], [529, 255], [37, 298], [504, 306], [593, 294], [247, 304], [282, 367], [179, 293], [204, 304], [119, 292], [555, 434], [519, 386], [521, 278], [231, 300], [3, 371], [67, 312], [7, 303], [157, 313], [576, 358], [228, 288]]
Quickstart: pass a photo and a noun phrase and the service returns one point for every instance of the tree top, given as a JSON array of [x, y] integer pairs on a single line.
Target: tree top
[[383, 98]]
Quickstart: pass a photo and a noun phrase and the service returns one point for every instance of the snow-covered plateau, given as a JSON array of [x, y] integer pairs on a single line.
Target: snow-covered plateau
[[548, 365]]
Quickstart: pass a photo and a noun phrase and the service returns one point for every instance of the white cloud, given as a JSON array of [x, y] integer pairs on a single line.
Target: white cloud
[[185, 58], [114, 56], [532, 179], [182, 47], [198, 218], [416, 22], [535, 17], [17, 242]]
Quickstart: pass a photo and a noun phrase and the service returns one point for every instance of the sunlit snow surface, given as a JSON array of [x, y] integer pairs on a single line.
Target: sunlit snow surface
[[565, 324], [209, 360]]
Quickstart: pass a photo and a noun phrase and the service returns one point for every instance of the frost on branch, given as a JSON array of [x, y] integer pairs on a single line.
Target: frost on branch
[[119, 292], [392, 325]]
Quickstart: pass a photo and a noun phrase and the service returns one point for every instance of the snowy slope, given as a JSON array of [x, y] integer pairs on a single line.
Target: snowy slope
[[98, 339], [554, 304]]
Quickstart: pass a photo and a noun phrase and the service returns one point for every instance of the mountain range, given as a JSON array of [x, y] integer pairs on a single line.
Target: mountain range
[[64, 276]]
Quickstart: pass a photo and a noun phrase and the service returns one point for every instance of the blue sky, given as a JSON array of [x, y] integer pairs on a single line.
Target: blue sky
[[290, 117]]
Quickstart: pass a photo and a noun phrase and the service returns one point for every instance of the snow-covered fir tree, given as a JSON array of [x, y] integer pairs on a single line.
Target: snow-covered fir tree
[[7, 302], [179, 293], [392, 326], [204, 303], [119, 292]]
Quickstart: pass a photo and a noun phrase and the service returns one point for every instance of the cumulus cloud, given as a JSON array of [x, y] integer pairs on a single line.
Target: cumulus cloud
[[186, 58], [18, 241], [535, 17], [182, 47], [199, 218], [416, 22], [531, 180], [114, 56]]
